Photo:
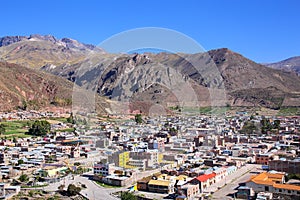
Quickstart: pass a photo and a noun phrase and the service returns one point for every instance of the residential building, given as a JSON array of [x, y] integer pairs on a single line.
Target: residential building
[[274, 183], [204, 181], [161, 186], [190, 190], [104, 169], [120, 159], [284, 165]]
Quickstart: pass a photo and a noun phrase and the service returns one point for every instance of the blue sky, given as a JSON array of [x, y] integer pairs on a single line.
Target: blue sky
[[262, 30]]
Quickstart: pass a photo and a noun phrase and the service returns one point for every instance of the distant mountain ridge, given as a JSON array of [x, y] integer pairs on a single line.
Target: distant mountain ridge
[[67, 42], [37, 50], [291, 64]]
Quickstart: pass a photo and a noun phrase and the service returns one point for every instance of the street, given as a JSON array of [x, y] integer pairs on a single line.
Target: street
[[92, 190], [232, 181]]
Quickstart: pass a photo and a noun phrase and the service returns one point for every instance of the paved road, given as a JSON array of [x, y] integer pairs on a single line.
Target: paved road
[[92, 192], [232, 181]]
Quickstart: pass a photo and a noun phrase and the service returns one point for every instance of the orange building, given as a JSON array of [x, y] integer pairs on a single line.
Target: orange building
[[274, 183]]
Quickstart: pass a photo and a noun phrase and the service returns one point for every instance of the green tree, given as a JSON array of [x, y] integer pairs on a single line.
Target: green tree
[[40, 128], [138, 118], [276, 124], [265, 125], [73, 190], [173, 131], [23, 178], [70, 119], [249, 128], [128, 196], [2, 129], [20, 162]]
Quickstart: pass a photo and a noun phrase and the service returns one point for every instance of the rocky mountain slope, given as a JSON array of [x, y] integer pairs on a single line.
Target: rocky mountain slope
[[23, 87], [290, 64], [142, 81], [218, 77]]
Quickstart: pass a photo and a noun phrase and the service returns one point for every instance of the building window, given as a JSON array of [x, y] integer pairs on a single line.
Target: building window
[[266, 188], [289, 191], [280, 190]]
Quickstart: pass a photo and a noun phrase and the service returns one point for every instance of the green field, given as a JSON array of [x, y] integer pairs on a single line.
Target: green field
[[289, 111], [205, 110], [15, 129], [18, 129]]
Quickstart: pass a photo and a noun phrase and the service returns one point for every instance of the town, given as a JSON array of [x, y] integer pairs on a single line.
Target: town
[[183, 157]]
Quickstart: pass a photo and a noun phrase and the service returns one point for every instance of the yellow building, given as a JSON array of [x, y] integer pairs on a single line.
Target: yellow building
[[161, 186], [123, 159], [52, 171], [120, 159]]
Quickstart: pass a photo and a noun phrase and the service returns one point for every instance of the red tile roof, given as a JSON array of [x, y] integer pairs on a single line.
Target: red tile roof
[[205, 177]]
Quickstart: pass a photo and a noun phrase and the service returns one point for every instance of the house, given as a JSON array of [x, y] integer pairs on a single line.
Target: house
[[161, 186], [120, 159], [220, 173], [104, 169], [7, 191], [116, 180], [151, 157], [75, 152], [204, 181], [190, 190], [263, 159], [245, 192], [284, 165], [274, 183]]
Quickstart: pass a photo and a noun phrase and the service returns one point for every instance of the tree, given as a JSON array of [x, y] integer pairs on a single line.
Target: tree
[[249, 127], [266, 125], [70, 119], [173, 131], [73, 190], [276, 124], [40, 128], [138, 118], [20, 162], [23, 178], [128, 196], [2, 129]]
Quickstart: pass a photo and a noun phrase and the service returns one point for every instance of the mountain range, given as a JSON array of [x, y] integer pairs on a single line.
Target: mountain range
[[291, 64], [218, 77]]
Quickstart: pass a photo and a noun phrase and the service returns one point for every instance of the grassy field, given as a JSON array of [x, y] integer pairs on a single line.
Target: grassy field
[[285, 111], [18, 129], [15, 129], [106, 185], [205, 110], [66, 130]]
